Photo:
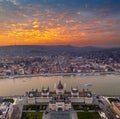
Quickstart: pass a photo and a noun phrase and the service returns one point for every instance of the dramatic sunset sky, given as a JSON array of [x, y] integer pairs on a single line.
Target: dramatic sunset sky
[[60, 22]]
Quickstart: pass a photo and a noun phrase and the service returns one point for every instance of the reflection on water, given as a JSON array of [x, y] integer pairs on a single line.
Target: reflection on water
[[105, 84]]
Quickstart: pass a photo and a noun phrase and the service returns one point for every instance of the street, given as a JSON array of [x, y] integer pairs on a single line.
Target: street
[[105, 106]]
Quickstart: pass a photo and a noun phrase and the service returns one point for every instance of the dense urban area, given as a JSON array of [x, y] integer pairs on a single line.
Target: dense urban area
[[60, 103], [56, 64]]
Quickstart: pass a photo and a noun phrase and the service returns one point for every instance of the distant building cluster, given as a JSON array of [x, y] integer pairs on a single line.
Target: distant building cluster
[[56, 64]]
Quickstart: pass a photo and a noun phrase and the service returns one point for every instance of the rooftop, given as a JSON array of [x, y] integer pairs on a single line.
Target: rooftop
[[4, 107], [45, 90], [74, 90], [60, 86]]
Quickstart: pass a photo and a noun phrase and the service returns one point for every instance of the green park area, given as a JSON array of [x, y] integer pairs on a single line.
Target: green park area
[[88, 115], [35, 107], [32, 115], [113, 100], [8, 100], [86, 107]]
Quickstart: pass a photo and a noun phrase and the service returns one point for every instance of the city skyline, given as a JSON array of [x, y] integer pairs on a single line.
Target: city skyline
[[58, 22]]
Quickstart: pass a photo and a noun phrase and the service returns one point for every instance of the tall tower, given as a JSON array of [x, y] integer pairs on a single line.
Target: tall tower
[[60, 88]]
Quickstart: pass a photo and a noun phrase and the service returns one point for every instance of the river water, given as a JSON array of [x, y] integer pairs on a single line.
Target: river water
[[102, 84]]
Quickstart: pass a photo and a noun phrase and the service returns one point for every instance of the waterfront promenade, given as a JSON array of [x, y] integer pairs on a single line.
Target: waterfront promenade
[[59, 74]]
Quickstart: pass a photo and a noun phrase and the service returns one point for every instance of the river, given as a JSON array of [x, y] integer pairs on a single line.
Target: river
[[102, 84]]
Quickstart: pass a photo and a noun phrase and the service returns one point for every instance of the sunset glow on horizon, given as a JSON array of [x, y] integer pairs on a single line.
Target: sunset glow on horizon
[[60, 22]]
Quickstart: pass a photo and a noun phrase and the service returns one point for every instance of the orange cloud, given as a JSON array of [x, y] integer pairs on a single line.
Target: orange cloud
[[52, 31]]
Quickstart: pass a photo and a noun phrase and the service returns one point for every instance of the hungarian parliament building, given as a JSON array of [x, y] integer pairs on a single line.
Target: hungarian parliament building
[[59, 99]]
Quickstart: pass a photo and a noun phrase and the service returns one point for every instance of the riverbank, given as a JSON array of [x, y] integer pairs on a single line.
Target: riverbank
[[60, 74]]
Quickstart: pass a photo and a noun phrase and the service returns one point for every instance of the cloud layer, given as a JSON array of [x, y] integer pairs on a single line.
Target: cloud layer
[[56, 22]]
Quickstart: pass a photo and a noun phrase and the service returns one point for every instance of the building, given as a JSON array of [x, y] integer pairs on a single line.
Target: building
[[60, 102], [116, 107], [6, 109], [60, 88], [45, 92], [74, 92], [60, 99]]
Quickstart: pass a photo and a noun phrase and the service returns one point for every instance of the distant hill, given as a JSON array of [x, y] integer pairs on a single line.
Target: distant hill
[[107, 53], [33, 50]]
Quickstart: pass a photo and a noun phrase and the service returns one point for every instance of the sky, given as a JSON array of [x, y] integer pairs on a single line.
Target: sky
[[60, 22]]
